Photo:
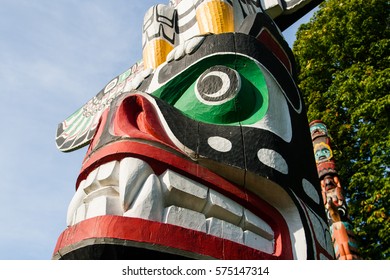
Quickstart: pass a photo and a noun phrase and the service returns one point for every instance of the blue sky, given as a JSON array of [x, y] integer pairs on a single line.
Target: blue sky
[[54, 57]]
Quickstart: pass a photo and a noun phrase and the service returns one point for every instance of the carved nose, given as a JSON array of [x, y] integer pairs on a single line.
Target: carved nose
[[137, 118]]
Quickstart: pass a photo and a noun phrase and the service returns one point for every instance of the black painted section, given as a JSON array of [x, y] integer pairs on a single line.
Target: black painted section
[[285, 21], [118, 252], [235, 157]]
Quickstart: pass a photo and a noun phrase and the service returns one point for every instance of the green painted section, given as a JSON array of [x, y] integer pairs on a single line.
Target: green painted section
[[124, 76], [248, 107], [74, 122]]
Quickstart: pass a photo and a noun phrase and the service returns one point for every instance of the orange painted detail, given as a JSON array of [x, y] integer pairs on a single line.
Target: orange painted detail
[[340, 240], [215, 17], [155, 52]]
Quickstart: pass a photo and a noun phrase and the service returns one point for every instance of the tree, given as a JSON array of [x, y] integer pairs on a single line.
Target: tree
[[343, 58]]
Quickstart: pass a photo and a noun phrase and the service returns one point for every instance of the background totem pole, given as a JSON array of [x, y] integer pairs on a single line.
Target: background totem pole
[[202, 149], [332, 194]]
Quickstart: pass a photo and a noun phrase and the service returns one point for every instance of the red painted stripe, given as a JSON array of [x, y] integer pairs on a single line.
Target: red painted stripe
[[271, 43], [143, 231], [161, 160]]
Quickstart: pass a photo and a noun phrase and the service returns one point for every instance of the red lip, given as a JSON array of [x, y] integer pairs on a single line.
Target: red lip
[[135, 232], [117, 227]]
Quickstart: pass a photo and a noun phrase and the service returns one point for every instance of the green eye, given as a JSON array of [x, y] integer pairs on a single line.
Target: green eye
[[219, 96], [217, 85], [222, 94]]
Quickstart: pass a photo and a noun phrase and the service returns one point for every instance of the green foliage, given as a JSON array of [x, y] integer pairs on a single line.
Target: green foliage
[[343, 58]]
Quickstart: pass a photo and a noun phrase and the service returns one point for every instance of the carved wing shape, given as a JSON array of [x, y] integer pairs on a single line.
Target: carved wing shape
[[78, 129]]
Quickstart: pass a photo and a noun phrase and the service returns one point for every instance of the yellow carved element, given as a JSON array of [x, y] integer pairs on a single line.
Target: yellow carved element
[[215, 17], [155, 52]]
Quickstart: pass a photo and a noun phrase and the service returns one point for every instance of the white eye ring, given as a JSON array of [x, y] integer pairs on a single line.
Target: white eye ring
[[217, 85]]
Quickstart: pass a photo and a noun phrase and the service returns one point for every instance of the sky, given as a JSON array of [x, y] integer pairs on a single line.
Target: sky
[[54, 57]]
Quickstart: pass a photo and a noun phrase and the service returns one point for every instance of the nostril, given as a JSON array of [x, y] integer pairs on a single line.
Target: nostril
[[131, 116], [137, 118], [131, 110], [125, 119]]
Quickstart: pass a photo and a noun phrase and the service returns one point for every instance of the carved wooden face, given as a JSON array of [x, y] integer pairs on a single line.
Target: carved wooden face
[[318, 129], [209, 156], [322, 152]]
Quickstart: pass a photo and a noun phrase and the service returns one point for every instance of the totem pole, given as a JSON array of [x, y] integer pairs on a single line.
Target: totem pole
[[202, 149], [344, 244]]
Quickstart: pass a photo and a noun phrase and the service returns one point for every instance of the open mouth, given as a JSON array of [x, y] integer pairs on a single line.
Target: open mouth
[[130, 188], [134, 191], [322, 157]]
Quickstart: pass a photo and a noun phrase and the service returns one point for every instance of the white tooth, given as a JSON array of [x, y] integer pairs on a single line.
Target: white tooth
[[255, 224], [181, 191], [185, 218], [133, 173], [102, 191], [221, 207], [79, 215], [225, 230], [108, 174], [103, 205], [257, 242], [76, 201], [149, 202], [180, 52], [193, 44], [91, 184]]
